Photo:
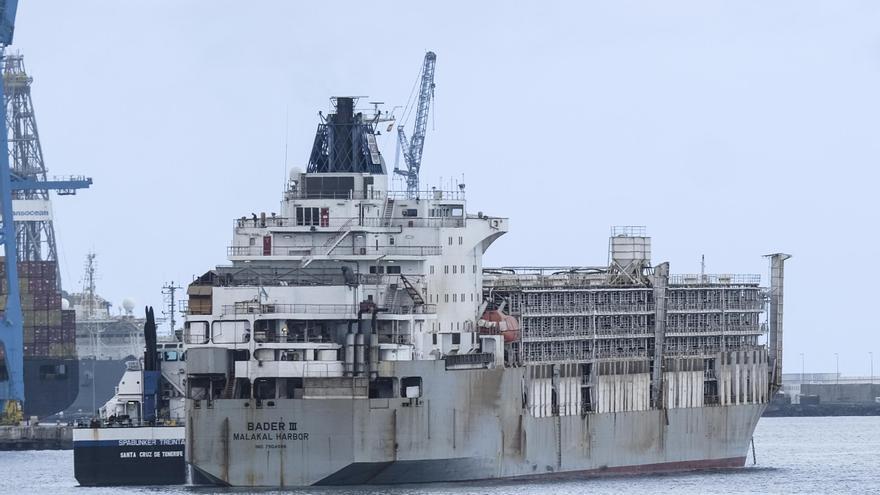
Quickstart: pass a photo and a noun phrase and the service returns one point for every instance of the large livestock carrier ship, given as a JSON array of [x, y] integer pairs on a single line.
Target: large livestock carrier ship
[[357, 338]]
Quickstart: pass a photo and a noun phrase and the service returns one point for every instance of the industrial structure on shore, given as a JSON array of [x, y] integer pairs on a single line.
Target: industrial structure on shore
[[37, 335]]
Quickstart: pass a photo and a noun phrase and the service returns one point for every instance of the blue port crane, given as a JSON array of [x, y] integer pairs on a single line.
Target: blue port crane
[[11, 324], [412, 148]]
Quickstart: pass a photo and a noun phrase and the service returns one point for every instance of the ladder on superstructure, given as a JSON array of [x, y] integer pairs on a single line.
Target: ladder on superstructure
[[414, 294], [389, 211]]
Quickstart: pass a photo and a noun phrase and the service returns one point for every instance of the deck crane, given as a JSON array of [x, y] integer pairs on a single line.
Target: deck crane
[[11, 324], [412, 149]]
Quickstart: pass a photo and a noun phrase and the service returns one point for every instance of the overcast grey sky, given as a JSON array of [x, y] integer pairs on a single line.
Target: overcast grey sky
[[730, 129]]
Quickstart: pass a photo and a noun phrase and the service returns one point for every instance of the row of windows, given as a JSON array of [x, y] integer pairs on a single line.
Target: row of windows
[[455, 269], [447, 211], [460, 240], [454, 326], [390, 269], [456, 338], [313, 216], [239, 331], [435, 298]]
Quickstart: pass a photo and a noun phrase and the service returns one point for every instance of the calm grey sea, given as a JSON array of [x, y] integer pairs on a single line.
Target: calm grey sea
[[795, 455]]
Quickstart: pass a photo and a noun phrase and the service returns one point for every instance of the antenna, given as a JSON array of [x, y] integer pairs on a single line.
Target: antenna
[[286, 135], [168, 290], [89, 293]]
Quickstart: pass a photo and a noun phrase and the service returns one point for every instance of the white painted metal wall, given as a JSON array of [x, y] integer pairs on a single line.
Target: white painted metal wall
[[619, 393], [683, 389]]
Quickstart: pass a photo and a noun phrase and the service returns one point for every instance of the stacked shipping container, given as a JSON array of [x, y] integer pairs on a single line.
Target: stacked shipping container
[[49, 331]]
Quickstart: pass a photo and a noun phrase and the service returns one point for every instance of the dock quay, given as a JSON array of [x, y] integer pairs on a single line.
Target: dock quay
[[36, 437]]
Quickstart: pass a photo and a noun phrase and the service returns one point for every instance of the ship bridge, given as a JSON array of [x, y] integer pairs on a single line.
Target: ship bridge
[[349, 274]]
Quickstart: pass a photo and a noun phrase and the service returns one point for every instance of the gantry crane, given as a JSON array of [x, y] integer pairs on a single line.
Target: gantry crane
[[412, 149], [11, 324]]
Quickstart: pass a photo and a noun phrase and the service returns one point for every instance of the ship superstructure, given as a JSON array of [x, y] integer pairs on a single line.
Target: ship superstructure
[[357, 338], [105, 342], [136, 437]]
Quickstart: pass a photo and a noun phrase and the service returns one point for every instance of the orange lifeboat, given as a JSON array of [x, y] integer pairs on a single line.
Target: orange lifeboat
[[496, 322]]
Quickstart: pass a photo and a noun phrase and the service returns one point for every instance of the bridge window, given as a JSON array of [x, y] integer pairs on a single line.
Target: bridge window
[[308, 216], [242, 388], [382, 388], [231, 332], [290, 331], [264, 388], [411, 387], [198, 387], [195, 332]]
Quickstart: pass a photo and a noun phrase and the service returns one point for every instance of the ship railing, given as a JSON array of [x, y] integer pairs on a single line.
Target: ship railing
[[624, 332], [398, 250], [266, 337], [530, 309], [476, 360], [340, 309], [543, 271], [715, 278], [272, 278], [555, 336], [332, 224], [620, 353], [368, 250], [447, 222], [386, 279], [691, 351], [629, 231], [353, 194], [715, 329], [414, 309], [305, 277], [254, 308], [716, 306]]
